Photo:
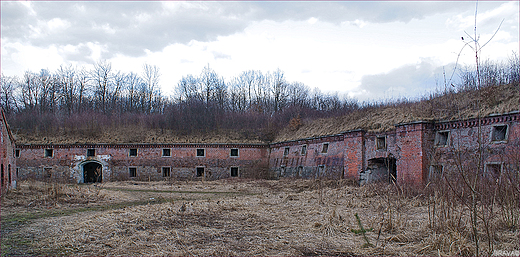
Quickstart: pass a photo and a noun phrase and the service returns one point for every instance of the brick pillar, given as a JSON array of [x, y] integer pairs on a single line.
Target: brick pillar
[[413, 142], [354, 154]]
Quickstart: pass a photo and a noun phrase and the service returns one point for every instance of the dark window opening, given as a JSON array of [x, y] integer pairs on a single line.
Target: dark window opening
[[166, 171], [234, 152], [91, 152], [442, 138], [92, 172], [499, 133], [321, 171], [9, 173], [325, 148], [166, 152], [286, 151], [49, 153], [234, 171], [381, 143], [132, 172], [304, 150], [200, 171], [132, 152], [17, 153], [47, 172], [201, 152], [493, 170]]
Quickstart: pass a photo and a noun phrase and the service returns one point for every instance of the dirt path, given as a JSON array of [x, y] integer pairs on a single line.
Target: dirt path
[[15, 219]]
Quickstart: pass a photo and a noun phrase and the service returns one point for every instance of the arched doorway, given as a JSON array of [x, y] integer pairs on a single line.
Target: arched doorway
[[92, 172]]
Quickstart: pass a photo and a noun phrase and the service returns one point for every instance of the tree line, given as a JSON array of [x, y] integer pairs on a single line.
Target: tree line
[[79, 98], [46, 101]]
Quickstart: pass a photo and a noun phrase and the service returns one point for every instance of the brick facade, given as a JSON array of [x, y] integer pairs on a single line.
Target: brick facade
[[308, 158], [407, 155], [7, 160], [142, 161], [404, 155]]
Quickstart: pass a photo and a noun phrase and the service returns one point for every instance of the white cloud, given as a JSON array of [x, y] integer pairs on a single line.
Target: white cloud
[[330, 45], [312, 20]]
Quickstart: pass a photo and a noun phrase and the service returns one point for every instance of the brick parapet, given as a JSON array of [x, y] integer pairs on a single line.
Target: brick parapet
[[310, 140], [130, 145], [488, 120]]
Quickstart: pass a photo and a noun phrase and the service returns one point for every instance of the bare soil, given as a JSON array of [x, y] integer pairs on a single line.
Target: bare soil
[[225, 217]]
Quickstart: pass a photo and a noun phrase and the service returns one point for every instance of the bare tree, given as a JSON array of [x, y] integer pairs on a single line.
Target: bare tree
[[65, 78], [82, 88], [279, 90], [8, 86], [188, 89], [101, 76], [150, 87]]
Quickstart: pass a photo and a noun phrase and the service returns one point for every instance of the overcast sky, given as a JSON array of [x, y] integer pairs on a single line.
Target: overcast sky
[[368, 50]]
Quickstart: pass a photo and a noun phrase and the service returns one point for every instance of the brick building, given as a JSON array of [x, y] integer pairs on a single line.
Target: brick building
[[410, 153], [7, 161], [108, 162]]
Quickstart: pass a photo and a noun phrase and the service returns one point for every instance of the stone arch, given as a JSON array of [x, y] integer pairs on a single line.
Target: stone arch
[[92, 172]]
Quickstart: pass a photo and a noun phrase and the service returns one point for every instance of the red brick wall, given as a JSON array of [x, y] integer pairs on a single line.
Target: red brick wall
[[411, 144], [314, 163], [7, 159], [67, 161], [354, 154], [412, 162], [462, 150]]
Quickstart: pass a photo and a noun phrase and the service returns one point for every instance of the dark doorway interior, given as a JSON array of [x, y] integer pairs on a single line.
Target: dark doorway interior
[[392, 169], [379, 170], [200, 171], [92, 172]]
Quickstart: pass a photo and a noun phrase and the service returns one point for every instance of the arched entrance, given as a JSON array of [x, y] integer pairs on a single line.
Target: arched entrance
[[92, 172]]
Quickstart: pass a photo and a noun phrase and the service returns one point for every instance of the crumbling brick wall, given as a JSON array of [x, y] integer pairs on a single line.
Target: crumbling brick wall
[[67, 161], [410, 151], [7, 158], [320, 157], [499, 145]]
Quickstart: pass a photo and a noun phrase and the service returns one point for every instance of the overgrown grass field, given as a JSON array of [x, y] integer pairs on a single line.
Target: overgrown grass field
[[238, 217]]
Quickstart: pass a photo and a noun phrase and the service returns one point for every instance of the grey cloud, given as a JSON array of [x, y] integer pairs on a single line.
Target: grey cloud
[[203, 21], [130, 37], [337, 12], [409, 80], [81, 55], [15, 20]]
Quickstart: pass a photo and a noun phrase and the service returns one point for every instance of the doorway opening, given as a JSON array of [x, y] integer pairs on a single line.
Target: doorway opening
[[92, 172], [379, 170]]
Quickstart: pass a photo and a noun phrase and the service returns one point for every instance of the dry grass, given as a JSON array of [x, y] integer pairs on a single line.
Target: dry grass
[[241, 217], [134, 134], [450, 106]]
